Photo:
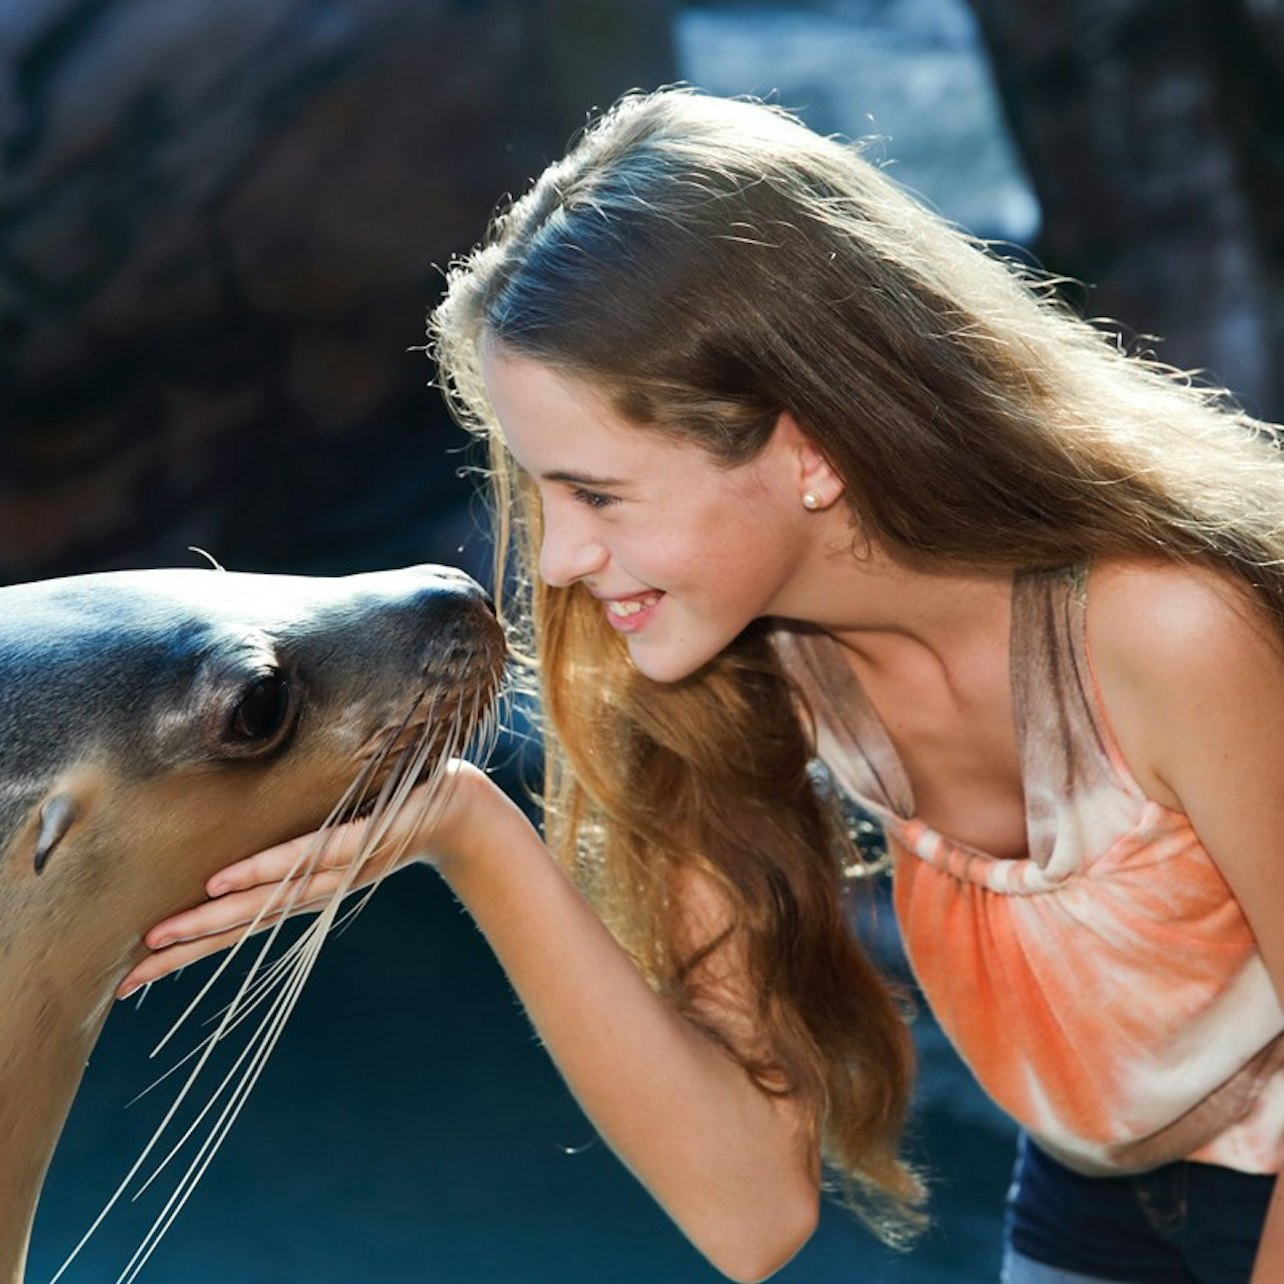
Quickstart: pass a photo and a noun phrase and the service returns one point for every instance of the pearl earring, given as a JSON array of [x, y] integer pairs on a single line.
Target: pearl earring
[[811, 500]]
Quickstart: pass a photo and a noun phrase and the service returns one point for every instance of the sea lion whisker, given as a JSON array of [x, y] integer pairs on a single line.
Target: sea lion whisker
[[403, 779], [401, 767], [264, 982], [394, 806], [258, 1049], [424, 809], [289, 889], [208, 556], [471, 730], [281, 981], [454, 740], [393, 803], [206, 1049], [387, 738], [265, 977], [481, 742], [392, 797], [261, 979], [307, 859], [390, 802], [300, 963], [433, 795], [254, 970], [209, 1105], [504, 720]]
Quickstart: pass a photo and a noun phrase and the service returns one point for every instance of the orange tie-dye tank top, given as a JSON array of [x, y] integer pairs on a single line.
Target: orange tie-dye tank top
[[1105, 989]]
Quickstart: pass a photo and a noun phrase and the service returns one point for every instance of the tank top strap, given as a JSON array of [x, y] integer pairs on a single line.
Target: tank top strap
[[849, 737], [1076, 801]]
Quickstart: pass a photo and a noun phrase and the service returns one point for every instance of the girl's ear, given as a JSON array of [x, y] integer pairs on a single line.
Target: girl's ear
[[819, 486]]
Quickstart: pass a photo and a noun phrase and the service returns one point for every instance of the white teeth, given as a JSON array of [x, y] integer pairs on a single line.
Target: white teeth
[[625, 606], [631, 607]]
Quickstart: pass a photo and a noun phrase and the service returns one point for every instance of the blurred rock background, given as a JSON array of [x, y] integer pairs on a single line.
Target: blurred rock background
[[221, 224]]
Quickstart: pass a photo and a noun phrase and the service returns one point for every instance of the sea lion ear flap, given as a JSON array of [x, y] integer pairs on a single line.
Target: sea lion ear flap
[[56, 816]]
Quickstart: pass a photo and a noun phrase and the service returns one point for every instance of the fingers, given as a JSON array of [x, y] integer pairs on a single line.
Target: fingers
[[337, 849], [237, 910], [163, 962], [304, 873], [218, 924], [241, 891]]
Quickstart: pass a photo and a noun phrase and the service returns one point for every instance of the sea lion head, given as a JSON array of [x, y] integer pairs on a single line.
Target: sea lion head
[[157, 725]]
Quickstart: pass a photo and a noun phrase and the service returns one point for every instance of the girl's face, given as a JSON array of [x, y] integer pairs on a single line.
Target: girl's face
[[681, 551]]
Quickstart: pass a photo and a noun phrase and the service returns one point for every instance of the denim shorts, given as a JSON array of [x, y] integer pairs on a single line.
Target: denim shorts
[[1184, 1223]]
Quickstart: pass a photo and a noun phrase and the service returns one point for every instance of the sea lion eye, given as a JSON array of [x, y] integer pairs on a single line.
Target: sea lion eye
[[261, 709]]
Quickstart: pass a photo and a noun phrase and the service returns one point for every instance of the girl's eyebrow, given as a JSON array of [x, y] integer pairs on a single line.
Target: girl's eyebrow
[[584, 479]]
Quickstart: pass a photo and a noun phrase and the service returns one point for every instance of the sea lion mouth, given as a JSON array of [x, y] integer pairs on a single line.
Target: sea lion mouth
[[359, 811], [442, 721]]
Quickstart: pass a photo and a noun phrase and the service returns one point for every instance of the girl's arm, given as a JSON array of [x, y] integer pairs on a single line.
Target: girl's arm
[[1269, 1268], [1193, 674], [733, 1166]]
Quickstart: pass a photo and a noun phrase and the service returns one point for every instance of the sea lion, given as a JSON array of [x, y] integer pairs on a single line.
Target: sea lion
[[157, 725]]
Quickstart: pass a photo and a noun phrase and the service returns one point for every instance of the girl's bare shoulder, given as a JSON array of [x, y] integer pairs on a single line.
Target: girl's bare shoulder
[[1155, 604], [1180, 649]]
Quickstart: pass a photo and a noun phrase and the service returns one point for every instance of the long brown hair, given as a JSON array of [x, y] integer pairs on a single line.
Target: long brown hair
[[707, 264]]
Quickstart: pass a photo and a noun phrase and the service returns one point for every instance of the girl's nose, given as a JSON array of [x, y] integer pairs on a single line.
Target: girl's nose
[[568, 553]]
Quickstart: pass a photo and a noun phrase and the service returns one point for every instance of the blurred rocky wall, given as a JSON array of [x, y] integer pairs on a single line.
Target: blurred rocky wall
[[222, 221], [1153, 133], [221, 224]]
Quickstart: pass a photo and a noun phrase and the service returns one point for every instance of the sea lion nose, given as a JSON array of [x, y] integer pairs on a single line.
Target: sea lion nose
[[452, 577], [458, 602], [440, 602]]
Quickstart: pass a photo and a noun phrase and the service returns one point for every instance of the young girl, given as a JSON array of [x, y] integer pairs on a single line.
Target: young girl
[[791, 467]]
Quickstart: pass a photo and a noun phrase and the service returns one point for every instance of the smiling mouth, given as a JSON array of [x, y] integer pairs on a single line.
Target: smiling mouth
[[623, 607], [633, 603], [629, 614]]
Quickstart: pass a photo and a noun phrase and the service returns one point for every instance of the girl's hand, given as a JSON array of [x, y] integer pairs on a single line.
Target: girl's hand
[[240, 892]]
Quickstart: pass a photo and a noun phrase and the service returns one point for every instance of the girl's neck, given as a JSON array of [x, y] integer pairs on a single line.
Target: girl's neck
[[894, 612]]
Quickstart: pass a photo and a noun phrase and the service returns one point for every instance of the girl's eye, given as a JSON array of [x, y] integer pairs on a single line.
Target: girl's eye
[[593, 498]]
